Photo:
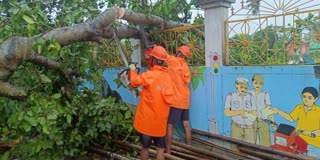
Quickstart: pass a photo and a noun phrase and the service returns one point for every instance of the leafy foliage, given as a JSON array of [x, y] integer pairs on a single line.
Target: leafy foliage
[[51, 124], [52, 127]]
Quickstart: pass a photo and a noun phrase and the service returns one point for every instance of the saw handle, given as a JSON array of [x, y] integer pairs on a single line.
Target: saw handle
[[135, 63], [126, 71]]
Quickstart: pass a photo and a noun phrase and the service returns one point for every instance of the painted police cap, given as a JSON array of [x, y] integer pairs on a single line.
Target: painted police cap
[[242, 80]]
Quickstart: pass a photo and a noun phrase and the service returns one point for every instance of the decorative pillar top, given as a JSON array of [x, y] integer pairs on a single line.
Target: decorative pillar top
[[205, 4]]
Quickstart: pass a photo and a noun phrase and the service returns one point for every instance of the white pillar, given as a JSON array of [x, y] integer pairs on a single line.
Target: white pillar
[[215, 13]]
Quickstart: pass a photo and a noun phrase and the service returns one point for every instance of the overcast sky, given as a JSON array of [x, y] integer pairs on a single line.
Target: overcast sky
[[268, 8]]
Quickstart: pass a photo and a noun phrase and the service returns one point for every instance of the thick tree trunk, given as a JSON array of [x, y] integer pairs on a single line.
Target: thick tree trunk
[[16, 50]]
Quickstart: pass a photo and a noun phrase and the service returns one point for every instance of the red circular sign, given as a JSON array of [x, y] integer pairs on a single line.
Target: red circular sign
[[215, 57]]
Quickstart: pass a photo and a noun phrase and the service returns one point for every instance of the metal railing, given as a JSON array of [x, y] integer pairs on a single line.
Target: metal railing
[[278, 33]]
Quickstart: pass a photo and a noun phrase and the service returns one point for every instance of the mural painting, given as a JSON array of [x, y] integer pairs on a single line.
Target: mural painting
[[240, 106], [252, 117], [308, 123], [251, 76], [263, 103], [268, 115]]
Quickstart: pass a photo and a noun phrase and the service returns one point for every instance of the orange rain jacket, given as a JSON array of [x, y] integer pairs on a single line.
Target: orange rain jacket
[[181, 76], [156, 98]]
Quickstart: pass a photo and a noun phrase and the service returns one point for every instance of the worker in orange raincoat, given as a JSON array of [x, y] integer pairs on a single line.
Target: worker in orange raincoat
[[156, 97], [181, 77]]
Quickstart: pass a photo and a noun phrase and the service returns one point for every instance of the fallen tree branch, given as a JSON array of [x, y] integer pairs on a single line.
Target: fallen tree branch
[[8, 145], [16, 50]]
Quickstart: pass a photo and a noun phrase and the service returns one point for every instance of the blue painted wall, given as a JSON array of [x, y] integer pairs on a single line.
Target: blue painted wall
[[283, 83], [111, 74]]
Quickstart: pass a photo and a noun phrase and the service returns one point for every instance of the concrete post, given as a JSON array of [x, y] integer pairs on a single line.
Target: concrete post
[[215, 14]]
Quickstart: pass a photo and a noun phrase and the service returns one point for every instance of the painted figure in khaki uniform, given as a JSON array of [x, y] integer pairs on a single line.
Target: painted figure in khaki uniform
[[307, 116], [241, 107], [179, 112], [262, 99], [157, 95]]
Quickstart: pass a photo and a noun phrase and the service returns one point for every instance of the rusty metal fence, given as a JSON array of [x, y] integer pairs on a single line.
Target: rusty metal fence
[[273, 32]]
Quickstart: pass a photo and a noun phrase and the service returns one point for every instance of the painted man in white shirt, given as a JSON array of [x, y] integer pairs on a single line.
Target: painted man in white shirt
[[240, 105]]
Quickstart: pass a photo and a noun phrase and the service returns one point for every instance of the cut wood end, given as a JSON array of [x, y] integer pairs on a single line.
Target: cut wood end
[[121, 12]]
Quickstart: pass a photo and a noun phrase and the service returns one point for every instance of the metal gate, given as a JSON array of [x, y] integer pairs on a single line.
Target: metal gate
[[273, 32]]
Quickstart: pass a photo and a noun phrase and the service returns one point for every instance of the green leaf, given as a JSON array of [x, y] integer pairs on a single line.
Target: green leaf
[[108, 126], [195, 83], [86, 111], [78, 137], [39, 146], [30, 113], [47, 145], [5, 156], [52, 116], [51, 46], [202, 69], [45, 79], [201, 77], [31, 120], [56, 96], [118, 116], [13, 10], [42, 120], [90, 132], [45, 130], [59, 143], [66, 152], [128, 114], [57, 46], [92, 9], [21, 115], [37, 47], [101, 126], [26, 126], [69, 118], [60, 109], [5, 130], [28, 19]]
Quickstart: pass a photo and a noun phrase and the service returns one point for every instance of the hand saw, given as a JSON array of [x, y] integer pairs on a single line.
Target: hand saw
[[123, 75]]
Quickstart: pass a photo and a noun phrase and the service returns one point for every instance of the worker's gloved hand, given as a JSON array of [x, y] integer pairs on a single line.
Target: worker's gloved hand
[[132, 67]]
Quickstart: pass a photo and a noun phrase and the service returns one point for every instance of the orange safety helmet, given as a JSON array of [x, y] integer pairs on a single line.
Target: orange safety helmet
[[158, 52], [185, 50]]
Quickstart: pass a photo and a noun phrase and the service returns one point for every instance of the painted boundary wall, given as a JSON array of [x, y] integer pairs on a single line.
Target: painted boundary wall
[[283, 83]]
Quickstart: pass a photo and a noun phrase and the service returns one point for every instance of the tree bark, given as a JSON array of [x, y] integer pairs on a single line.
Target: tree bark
[[16, 50]]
